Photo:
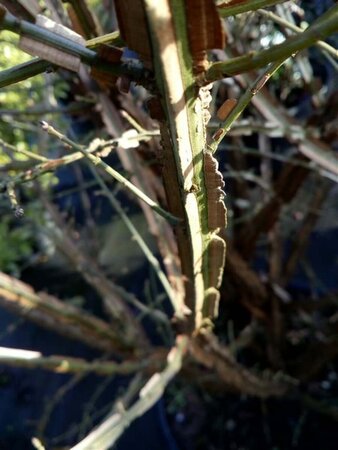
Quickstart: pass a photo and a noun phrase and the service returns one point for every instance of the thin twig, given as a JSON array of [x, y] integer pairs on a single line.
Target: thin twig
[[67, 364], [141, 243], [112, 428], [97, 161], [284, 23], [113, 38], [23, 71], [28, 153], [243, 103]]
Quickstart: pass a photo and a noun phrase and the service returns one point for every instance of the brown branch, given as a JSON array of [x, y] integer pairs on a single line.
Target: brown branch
[[206, 349], [83, 19], [49, 312], [67, 365], [26, 11]]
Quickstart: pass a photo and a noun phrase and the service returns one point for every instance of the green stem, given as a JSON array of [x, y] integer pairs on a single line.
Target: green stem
[[113, 38], [284, 23], [23, 151], [66, 364], [36, 171], [23, 71], [245, 6], [140, 241], [243, 103], [36, 66], [9, 22], [41, 34], [323, 27], [97, 161]]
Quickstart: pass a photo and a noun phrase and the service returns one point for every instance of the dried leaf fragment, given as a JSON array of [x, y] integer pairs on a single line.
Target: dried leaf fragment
[[226, 108]]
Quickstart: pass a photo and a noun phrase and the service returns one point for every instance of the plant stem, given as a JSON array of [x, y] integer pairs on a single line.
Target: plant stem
[[243, 103], [227, 9], [323, 27], [67, 364], [88, 56], [107, 433], [97, 161], [284, 23], [41, 34], [28, 153], [140, 241], [49, 312], [23, 71], [85, 17]]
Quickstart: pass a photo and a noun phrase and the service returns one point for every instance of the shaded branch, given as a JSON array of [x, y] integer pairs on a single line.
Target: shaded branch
[[67, 364], [140, 242], [49, 312], [284, 190], [106, 434]]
